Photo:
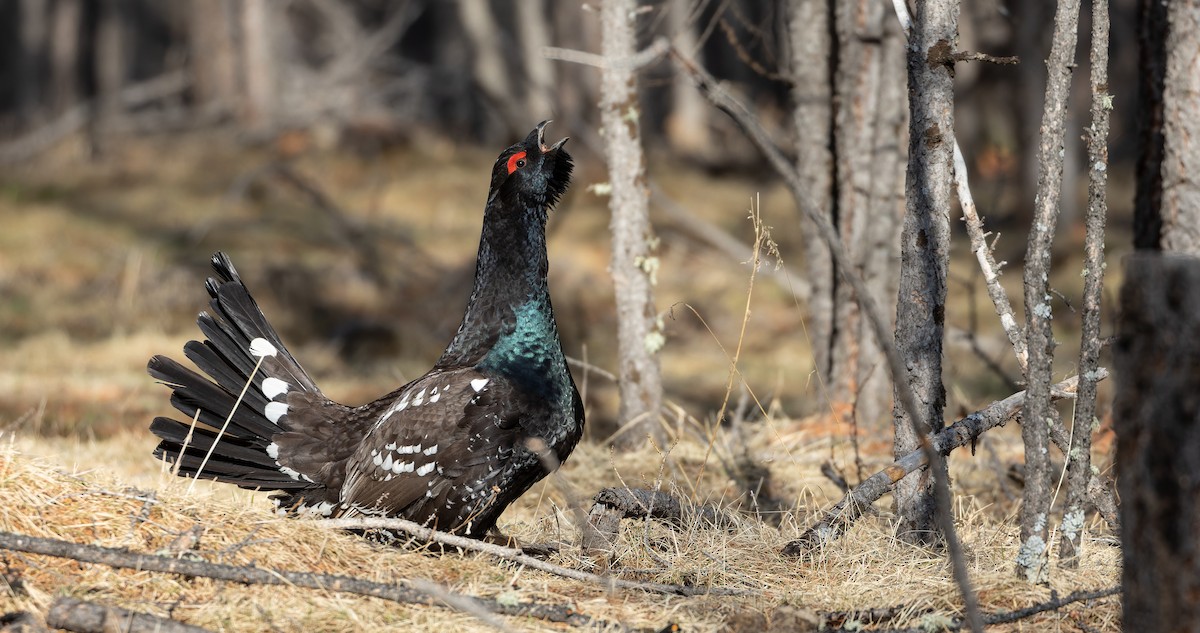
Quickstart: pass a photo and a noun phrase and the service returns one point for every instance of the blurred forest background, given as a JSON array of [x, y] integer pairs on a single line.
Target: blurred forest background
[[338, 150]]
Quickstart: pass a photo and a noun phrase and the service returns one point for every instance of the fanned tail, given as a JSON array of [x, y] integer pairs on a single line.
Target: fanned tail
[[238, 340]]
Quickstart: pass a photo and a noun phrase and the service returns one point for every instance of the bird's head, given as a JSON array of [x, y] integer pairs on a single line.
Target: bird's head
[[531, 174]]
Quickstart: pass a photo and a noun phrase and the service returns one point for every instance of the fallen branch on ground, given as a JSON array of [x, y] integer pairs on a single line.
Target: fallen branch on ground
[[123, 559], [852, 506], [423, 533], [87, 617]]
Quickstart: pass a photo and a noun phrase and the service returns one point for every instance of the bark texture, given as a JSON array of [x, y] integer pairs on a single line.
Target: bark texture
[[1152, 68], [1157, 420], [810, 31], [1079, 459], [857, 368], [925, 249], [634, 263], [1180, 211], [1040, 414]]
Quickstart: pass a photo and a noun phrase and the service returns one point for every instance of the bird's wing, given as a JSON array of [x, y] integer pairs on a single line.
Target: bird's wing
[[435, 452]]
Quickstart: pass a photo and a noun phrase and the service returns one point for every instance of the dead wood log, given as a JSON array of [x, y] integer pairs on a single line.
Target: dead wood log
[[852, 506], [87, 617]]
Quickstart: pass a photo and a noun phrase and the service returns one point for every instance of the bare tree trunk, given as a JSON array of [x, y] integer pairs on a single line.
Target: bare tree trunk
[[634, 263], [859, 29], [110, 69], [213, 54], [1180, 211], [31, 65], [1040, 413], [1079, 459], [533, 32], [488, 68], [811, 43], [1157, 420], [686, 125], [64, 54], [258, 63], [925, 249], [1152, 70], [881, 251]]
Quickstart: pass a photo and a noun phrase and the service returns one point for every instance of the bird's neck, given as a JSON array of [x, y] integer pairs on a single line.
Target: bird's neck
[[509, 316]]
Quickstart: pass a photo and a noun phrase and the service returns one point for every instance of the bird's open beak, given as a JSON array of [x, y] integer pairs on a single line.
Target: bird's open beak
[[541, 139]]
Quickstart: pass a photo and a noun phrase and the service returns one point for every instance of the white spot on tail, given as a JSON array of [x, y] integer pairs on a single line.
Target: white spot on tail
[[274, 411], [272, 387], [479, 383], [262, 347], [426, 469], [431, 450], [273, 450]]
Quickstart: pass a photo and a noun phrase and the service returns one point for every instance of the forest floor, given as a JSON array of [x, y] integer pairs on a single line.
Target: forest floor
[[102, 265]]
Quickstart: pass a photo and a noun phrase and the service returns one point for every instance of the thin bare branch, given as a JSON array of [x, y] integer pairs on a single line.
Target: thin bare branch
[[124, 559], [1079, 458], [633, 63], [517, 556], [965, 431]]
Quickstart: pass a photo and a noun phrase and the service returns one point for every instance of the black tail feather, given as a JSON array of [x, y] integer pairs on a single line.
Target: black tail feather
[[230, 356]]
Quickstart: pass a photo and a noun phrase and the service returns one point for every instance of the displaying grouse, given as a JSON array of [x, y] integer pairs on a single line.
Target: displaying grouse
[[451, 449]]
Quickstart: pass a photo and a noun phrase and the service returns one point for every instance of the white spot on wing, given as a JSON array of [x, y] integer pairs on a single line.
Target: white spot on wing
[[378, 459], [273, 450], [431, 450], [479, 383], [433, 397], [272, 387], [416, 402], [426, 469], [262, 347], [274, 411], [387, 462], [289, 472]]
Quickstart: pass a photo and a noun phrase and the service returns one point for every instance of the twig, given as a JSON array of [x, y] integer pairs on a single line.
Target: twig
[[635, 62], [720, 98], [1003, 617], [842, 515], [517, 556], [123, 559], [964, 56], [1079, 458], [87, 617]]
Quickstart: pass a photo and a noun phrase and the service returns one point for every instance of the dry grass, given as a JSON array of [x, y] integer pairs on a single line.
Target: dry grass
[[868, 568], [101, 266]]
